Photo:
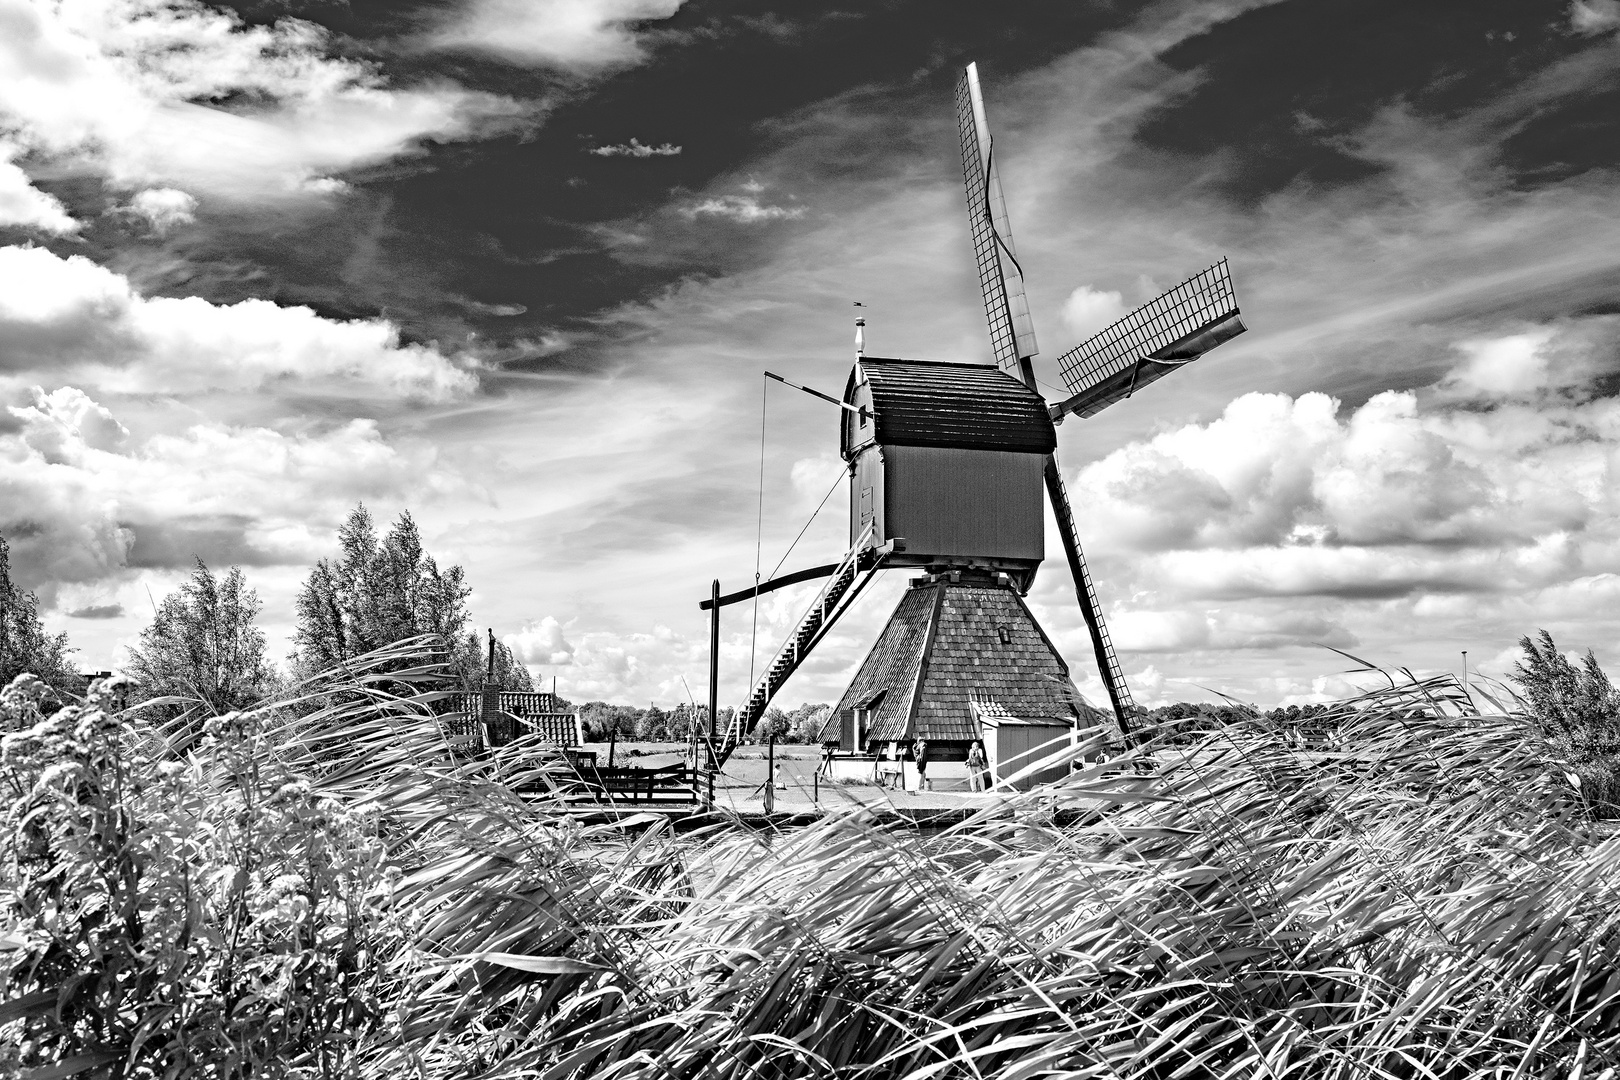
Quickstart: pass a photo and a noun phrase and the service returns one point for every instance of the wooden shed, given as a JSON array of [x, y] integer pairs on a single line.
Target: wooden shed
[[948, 458], [1014, 743]]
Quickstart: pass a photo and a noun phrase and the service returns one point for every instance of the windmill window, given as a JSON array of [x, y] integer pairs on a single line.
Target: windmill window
[[1004, 635]]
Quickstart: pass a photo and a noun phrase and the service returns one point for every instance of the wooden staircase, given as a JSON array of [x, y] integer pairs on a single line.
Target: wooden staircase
[[859, 564]]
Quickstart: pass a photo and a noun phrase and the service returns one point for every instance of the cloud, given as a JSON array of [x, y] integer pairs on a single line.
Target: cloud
[[1089, 310], [163, 208], [180, 94], [1187, 628], [743, 209], [1594, 16], [69, 319], [97, 611], [541, 643], [82, 500], [635, 149], [22, 204], [1411, 493], [604, 665], [586, 36]]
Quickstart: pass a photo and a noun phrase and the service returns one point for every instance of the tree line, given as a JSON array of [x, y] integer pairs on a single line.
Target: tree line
[[204, 643], [603, 721]]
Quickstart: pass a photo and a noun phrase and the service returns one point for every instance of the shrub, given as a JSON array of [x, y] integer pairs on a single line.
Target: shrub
[[203, 917], [1577, 711]]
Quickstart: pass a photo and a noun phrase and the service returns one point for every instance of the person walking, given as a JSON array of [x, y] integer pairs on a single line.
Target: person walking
[[919, 752], [975, 767]]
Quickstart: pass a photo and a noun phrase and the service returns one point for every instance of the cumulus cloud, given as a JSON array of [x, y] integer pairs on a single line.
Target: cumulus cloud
[[541, 643], [634, 148], [1186, 628], [81, 500], [73, 320], [585, 36], [743, 209], [163, 208], [1089, 310], [181, 94], [605, 665], [1410, 493], [24, 205], [1594, 16]]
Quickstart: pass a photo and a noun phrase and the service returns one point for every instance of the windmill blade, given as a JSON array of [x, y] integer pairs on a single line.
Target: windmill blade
[[1001, 279], [1168, 332], [1102, 643]]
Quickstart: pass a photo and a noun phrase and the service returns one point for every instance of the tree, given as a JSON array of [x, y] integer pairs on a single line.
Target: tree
[[203, 644], [807, 721], [24, 644], [1563, 697], [377, 592], [472, 665]]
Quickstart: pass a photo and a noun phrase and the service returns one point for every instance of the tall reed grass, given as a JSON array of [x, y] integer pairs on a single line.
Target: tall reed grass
[[1423, 895]]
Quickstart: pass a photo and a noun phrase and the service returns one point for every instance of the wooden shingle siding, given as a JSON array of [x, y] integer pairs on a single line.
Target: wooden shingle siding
[[946, 645]]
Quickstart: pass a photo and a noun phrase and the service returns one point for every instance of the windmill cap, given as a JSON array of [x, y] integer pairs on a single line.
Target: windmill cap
[[952, 404]]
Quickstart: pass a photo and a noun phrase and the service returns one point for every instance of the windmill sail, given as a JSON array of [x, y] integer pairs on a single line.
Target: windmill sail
[[1001, 279], [1167, 332]]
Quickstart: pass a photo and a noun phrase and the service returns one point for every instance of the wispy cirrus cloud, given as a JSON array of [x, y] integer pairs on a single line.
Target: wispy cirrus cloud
[[584, 36], [187, 96], [636, 149], [743, 209]]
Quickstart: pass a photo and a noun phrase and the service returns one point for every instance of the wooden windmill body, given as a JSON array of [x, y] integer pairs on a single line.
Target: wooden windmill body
[[951, 467]]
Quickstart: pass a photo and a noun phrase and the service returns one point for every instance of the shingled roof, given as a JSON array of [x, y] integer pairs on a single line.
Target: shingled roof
[[965, 406], [946, 645]]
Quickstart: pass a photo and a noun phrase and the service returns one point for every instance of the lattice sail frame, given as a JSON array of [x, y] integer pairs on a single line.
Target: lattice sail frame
[[1172, 329], [1001, 279]]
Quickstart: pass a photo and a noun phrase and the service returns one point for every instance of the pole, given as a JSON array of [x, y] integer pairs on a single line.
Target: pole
[[1465, 675], [714, 678], [770, 774]]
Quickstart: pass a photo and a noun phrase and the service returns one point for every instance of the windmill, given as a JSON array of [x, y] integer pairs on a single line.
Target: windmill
[[950, 465]]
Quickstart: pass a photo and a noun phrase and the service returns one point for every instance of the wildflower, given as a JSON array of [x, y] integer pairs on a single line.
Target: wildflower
[[62, 770], [292, 791], [284, 885]]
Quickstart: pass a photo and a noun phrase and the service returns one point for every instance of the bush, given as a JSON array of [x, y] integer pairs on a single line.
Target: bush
[[202, 917], [1577, 711]]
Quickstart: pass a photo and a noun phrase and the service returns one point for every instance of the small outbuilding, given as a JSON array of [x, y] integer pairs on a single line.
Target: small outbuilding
[[1013, 744]]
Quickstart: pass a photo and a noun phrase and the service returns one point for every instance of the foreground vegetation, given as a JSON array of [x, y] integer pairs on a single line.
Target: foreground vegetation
[[314, 889]]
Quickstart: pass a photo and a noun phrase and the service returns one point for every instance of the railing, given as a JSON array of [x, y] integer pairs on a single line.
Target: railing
[[797, 647]]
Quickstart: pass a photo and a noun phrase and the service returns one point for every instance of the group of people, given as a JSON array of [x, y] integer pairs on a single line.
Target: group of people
[[891, 772]]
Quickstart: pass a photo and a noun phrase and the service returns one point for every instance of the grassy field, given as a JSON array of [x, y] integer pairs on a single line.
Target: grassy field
[[318, 891]]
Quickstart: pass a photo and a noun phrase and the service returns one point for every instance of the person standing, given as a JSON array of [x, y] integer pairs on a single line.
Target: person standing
[[919, 752], [975, 768]]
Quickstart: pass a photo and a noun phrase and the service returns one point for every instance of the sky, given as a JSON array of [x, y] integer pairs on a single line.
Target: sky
[[517, 267]]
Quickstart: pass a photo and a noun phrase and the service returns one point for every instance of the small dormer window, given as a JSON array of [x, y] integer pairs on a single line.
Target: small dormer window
[[1004, 634]]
